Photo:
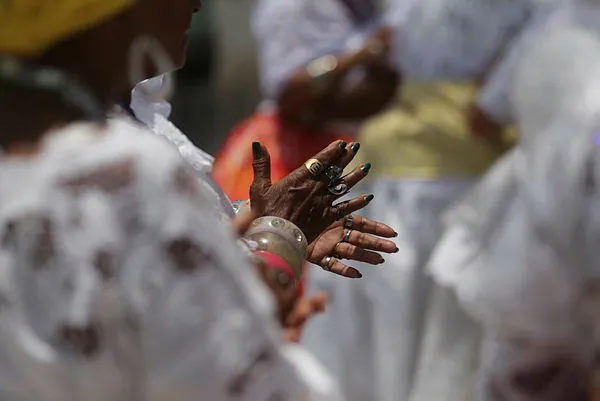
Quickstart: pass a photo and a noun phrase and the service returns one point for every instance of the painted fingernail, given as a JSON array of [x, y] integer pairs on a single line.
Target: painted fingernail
[[395, 234], [365, 169], [354, 274], [369, 198], [382, 261], [343, 145], [256, 149], [355, 147], [396, 250]]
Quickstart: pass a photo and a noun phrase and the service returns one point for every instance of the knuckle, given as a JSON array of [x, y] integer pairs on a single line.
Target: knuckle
[[260, 163]]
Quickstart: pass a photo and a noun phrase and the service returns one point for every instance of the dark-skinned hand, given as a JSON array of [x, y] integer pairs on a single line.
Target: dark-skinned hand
[[301, 198], [363, 245]]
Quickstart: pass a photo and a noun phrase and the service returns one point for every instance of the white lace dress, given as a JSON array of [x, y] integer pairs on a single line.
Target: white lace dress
[[118, 283]]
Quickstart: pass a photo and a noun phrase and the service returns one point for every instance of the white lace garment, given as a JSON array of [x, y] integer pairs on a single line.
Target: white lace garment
[[118, 283]]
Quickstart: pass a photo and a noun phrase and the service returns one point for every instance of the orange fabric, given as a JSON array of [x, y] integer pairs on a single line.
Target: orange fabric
[[289, 149]]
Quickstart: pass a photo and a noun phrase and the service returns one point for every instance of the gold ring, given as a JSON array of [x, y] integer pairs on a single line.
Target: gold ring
[[314, 167], [337, 255]]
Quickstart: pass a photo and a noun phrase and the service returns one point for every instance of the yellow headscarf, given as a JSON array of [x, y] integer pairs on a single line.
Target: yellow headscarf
[[28, 27]]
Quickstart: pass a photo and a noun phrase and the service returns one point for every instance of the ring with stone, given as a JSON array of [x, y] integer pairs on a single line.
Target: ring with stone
[[333, 173], [348, 222]]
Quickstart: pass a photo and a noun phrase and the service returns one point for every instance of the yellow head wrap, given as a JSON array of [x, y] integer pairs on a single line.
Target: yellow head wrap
[[28, 27]]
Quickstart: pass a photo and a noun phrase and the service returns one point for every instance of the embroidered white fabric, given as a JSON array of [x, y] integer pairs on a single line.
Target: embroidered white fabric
[[118, 282], [290, 34]]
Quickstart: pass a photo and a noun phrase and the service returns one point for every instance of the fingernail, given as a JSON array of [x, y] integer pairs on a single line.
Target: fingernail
[[343, 145], [365, 169], [256, 149], [355, 147], [395, 234], [382, 261], [369, 198], [396, 250]]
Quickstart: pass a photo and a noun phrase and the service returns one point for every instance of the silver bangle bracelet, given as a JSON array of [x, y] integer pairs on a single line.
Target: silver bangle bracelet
[[279, 236]]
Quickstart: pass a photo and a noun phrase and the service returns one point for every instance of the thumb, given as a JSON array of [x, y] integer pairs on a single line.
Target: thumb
[[306, 308], [261, 164]]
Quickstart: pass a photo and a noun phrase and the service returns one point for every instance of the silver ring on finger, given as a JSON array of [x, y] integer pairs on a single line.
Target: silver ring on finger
[[328, 263], [348, 222], [338, 189], [333, 173], [347, 236]]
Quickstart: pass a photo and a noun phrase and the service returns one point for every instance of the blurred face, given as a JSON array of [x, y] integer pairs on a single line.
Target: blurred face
[[169, 21]]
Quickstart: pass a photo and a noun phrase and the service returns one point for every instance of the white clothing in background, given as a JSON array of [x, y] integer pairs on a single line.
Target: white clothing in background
[[530, 234]]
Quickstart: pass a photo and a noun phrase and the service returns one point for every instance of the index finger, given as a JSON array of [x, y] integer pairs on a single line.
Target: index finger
[[369, 226]]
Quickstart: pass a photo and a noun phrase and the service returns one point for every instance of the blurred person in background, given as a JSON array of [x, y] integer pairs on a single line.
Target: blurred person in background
[[323, 68], [114, 263], [452, 345], [513, 252]]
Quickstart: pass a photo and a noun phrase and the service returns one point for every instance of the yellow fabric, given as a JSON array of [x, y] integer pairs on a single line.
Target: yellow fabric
[[426, 135], [28, 27]]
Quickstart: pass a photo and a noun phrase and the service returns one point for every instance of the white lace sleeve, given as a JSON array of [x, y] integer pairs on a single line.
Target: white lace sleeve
[[452, 38], [126, 287]]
